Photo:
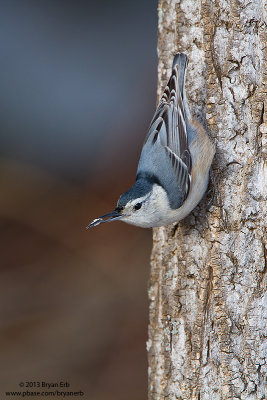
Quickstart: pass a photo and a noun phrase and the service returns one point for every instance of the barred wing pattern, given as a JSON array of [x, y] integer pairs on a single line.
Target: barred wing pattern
[[169, 123]]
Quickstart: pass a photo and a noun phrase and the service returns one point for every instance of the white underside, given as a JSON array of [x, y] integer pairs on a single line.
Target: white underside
[[166, 215], [202, 154]]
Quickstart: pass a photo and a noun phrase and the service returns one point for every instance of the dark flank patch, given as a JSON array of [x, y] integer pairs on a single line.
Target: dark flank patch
[[186, 157]]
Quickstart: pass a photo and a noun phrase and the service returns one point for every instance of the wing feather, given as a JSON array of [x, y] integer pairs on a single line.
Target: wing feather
[[165, 153], [169, 125]]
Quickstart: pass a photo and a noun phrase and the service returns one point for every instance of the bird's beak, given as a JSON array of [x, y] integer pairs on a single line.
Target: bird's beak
[[116, 214]]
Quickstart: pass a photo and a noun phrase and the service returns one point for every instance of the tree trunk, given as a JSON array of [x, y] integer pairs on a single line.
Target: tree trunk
[[207, 332]]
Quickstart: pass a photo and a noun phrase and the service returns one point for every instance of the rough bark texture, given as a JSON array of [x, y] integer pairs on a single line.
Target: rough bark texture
[[207, 333]]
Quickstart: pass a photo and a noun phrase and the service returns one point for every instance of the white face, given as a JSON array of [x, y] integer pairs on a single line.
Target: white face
[[147, 211]]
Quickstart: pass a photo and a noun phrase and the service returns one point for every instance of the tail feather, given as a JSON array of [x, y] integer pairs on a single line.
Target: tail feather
[[181, 60]]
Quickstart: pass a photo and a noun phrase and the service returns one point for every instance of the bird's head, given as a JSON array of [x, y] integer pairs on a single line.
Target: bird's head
[[140, 205]]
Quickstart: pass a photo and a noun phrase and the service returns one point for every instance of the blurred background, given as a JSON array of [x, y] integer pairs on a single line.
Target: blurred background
[[77, 92]]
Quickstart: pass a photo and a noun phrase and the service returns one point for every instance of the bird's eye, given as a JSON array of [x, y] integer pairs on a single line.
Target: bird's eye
[[137, 206]]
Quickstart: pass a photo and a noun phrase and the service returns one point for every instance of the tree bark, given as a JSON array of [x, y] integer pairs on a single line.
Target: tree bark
[[207, 332]]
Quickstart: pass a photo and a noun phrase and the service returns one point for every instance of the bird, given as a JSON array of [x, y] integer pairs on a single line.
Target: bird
[[173, 170]]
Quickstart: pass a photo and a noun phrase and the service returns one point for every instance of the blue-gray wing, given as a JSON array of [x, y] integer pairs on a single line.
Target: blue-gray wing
[[165, 153]]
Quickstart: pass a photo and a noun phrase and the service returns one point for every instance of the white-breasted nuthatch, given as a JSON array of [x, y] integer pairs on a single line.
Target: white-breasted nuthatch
[[173, 170]]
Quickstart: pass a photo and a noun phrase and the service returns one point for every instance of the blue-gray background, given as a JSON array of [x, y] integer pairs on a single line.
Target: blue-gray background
[[77, 92]]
